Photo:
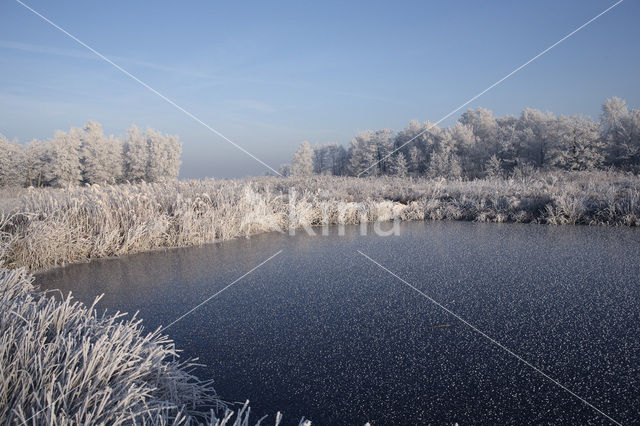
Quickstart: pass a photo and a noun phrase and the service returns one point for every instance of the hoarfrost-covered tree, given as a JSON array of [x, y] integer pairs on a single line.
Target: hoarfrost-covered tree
[[481, 144], [494, 167], [320, 159], [329, 159], [11, 163], [62, 161], [114, 159], [444, 164], [363, 154], [164, 156], [285, 170], [174, 151], [100, 156], [34, 164], [621, 131], [471, 152], [482, 122], [416, 160], [578, 146], [155, 163], [426, 140], [633, 147], [302, 162], [337, 159], [463, 137], [399, 165], [382, 141], [507, 142], [613, 117], [135, 155], [87, 156], [537, 133], [415, 142]]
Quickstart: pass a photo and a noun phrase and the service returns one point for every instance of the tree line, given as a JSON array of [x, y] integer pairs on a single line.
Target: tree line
[[481, 145], [87, 156]]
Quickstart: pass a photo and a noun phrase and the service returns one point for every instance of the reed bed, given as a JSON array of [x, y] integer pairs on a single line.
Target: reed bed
[[51, 227]]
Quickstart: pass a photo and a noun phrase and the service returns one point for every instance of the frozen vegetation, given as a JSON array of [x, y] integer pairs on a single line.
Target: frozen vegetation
[[62, 364], [478, 145], [88, 156], [481, 145], [47, 227]]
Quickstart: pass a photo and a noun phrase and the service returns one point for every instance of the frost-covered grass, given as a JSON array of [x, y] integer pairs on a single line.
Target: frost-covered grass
[[50, 227], [63, 364]]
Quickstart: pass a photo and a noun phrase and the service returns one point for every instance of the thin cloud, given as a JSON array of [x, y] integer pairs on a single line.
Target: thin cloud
[[46, 50], [79, 54]]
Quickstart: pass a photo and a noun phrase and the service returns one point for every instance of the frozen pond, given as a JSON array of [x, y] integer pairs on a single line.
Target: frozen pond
[[321, 331]]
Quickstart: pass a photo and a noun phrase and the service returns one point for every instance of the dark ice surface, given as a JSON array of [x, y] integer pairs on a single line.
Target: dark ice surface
[[321, 332]]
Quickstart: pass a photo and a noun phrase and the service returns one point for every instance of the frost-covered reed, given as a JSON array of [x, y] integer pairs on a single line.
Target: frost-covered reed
[[63, 364], [49, 227]]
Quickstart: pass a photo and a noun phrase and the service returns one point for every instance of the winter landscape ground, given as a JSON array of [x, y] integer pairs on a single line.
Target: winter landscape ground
[[137, 372]]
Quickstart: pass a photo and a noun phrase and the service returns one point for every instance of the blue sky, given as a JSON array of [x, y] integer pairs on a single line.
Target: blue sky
[[271, 74]]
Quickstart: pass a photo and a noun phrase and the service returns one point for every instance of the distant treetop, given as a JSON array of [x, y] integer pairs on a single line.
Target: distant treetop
[[87, 156]]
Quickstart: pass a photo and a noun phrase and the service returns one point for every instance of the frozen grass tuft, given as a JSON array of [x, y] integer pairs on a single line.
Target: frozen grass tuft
[[62, 364]]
